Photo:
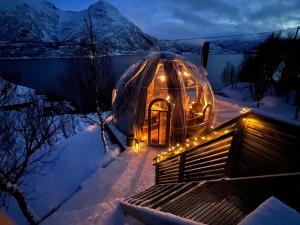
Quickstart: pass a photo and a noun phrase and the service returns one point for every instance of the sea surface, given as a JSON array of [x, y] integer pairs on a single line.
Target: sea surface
[[45, 75]]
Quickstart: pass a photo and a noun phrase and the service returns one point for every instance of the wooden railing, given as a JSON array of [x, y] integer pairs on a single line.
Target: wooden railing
[[249, 145], [264, 146], [202, 162]]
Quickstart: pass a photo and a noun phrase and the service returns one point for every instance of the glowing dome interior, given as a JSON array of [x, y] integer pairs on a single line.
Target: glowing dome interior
[[163, 99]]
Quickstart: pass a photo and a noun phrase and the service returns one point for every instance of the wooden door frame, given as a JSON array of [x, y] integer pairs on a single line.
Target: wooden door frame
[[168, 111]]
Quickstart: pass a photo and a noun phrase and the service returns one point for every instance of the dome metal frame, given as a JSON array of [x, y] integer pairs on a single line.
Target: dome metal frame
[[163, 77]]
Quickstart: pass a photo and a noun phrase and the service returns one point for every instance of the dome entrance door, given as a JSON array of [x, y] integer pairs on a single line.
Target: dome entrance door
[[159, 123]]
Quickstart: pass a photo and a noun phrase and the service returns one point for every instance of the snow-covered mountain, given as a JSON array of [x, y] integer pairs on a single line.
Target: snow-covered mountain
[[41, 21], [37, 28]]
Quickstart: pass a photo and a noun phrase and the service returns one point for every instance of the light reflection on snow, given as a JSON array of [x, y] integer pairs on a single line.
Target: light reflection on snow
[[91, 128]]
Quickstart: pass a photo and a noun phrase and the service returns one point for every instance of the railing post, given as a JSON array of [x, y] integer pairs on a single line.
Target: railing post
[[156, 173], [235, 147], [181, 168]]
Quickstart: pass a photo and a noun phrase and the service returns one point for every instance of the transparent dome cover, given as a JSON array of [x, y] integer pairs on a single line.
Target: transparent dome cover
[[163, 99]]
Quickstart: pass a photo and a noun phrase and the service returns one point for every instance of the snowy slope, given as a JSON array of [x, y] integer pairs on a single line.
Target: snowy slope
[[80, 156], [39, 20], [98, 200], [270, 105]]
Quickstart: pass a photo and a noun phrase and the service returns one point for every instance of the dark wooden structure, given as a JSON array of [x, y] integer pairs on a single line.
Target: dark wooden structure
[[220, 181]]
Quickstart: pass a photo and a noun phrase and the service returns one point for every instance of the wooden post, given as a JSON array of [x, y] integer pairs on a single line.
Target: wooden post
[[204, 57], [296, 33], [235, 145]]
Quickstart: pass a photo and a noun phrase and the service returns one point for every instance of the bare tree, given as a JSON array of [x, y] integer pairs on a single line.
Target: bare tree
[[229, 75], [89, 78], [27, 140]]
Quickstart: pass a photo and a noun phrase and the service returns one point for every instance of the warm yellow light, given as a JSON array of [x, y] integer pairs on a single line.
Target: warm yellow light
[[168, 97], [144, 137], [226, 131], [190, 107], [173, 148], [244, 119], [195, 143], [186, 74], [137, 145], [212, 127], [187, 140], [177, 145], [203, 138], [193, 102], [162, 78], [243, 110], [187, 145], [195, 138]]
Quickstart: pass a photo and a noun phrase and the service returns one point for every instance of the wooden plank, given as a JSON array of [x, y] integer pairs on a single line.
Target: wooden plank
[[208, 153], [271, 152], [160, 195], [272, 126], [181, 168], [204, 172], [213, 145], [149, 194], [211, 158], [206, 163], [171, 196], [275, 138], [171, 167], [206, 177], [172, 175], [161, 172]]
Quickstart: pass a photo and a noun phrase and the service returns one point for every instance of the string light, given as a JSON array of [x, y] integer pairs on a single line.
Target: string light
[[162, 78], [177, 149], [186, 74], [244, 110]]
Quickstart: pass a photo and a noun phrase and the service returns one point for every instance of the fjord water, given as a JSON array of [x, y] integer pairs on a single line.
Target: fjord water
[[45, 74]]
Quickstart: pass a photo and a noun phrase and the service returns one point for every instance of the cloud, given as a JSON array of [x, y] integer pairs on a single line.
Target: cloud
[[192, 18]]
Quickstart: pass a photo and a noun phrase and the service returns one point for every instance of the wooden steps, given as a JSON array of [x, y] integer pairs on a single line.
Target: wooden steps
[[223, 179], [207, 202]]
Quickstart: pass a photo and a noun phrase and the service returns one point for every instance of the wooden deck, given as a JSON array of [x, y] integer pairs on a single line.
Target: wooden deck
[[221, 180]]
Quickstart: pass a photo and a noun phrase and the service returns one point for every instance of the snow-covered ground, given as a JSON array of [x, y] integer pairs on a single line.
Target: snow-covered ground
[[80, 156], [90, 194], [272, 212], [240, 96], [98, 200]]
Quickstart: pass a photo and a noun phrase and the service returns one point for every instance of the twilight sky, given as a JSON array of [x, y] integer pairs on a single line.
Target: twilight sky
[[193, 18]]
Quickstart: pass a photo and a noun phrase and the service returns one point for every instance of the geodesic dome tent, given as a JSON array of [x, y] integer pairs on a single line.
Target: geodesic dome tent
[[163, 99]]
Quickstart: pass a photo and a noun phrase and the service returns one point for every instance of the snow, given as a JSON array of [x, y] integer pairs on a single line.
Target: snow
[[80, 156], [272, 212], [161, 218], [98, 200], [87, 186], [270, 105]]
